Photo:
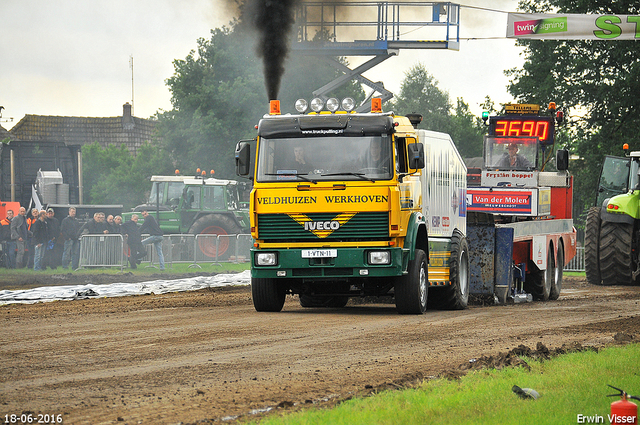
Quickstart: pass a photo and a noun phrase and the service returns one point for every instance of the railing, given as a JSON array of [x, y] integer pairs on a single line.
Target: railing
[[577, 263], [195, 250]]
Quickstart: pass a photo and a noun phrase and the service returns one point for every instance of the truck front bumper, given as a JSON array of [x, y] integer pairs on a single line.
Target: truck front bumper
[[330, 263]]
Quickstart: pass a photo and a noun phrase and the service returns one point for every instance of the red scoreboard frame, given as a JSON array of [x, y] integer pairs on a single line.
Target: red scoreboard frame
[[519, 126]]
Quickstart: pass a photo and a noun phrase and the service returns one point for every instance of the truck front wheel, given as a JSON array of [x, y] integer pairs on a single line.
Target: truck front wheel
[[592, 246], [411, 290], [267, 294]]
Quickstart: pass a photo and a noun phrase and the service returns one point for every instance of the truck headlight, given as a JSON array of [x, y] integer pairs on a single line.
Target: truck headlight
[[379, 257], [266, 259]]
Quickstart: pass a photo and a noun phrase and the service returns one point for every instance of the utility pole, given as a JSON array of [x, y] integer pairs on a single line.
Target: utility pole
[[131, 66]]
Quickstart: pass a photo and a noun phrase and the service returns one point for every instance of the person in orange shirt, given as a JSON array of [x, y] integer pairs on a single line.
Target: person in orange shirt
[[30, 244]]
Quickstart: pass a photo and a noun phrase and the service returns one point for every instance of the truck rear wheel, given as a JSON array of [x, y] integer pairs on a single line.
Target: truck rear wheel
[[616, 257], [214, 224], [411, 290], [267, 294], [558, 272], [539, 283], [592, 246], [454, 296]]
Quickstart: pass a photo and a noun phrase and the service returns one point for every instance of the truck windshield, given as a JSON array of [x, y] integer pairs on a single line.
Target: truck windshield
[[325, 158], [510, 153]]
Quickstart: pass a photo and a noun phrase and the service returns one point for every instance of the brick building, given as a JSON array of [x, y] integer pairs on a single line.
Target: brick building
[[127, 129]]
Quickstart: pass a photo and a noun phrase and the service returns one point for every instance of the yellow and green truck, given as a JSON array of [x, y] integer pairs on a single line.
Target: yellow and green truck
[[349, 204]]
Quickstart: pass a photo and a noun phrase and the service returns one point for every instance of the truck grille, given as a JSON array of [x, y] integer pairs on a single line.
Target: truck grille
[[361, 227]]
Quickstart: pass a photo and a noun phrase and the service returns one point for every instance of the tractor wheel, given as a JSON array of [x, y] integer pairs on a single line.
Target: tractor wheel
[[454, 296], [556, 285], [267, 294], [411, 290], [616, 259], [539, 283], [214, 224], [310, 301], [592, 246]]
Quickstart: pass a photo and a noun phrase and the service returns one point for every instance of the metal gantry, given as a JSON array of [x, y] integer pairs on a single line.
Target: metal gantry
[[378, 29]]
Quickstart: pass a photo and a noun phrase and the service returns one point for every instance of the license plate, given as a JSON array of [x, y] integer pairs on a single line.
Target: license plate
[[319, 253]]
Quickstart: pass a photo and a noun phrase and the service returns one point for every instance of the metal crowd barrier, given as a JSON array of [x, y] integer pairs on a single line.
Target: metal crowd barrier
[[102, 251], [195, 250], [577, 263]]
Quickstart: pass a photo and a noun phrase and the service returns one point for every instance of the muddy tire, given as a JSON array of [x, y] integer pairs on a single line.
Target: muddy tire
[[592, 246], [558, 272], [215, 224], [267, 294], [616, 260], [539, 282], [311, 301], [454, 296], [411, 290]]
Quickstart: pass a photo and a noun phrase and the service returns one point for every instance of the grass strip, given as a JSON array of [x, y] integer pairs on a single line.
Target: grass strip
[[573, 389]]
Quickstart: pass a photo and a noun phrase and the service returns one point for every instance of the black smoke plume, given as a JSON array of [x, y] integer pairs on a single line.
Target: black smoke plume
[[273, 19]]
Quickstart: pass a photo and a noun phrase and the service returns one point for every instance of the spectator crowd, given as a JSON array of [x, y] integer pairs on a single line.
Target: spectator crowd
[[39, 240]]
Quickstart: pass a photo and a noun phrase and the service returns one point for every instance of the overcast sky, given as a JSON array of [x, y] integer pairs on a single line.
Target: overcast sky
[[71, 57]]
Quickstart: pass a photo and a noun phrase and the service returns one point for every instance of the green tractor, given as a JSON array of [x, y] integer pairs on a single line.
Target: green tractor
[[612, 230], [199, 205]]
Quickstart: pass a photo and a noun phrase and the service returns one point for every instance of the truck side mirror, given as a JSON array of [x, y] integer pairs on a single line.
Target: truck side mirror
[[243, 158], [416, 156], [562, 159]]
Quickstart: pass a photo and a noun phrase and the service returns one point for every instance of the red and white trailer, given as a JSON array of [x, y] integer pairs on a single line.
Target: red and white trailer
[[520, 225]]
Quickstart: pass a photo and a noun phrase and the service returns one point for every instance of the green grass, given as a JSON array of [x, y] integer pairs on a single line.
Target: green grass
[[569, 385], [574, 274]]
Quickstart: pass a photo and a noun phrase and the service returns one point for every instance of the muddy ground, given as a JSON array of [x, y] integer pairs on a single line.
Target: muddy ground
[[208, 357]]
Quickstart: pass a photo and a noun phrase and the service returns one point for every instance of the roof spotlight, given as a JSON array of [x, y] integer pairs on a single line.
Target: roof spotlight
[[348, 104], [333, 104], [301, 105], [317, 104]]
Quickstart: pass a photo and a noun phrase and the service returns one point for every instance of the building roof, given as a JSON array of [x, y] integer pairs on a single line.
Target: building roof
[[127, 129], [3, 133]]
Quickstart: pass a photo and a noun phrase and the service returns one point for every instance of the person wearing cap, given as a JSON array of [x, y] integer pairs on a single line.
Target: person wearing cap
[[512, 159]]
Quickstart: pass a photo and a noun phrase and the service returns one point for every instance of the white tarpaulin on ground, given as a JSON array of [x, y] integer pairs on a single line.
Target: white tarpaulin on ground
[[545, 26], [75, 292]]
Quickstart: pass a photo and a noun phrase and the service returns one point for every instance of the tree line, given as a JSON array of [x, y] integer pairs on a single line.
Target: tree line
[[218, 96]]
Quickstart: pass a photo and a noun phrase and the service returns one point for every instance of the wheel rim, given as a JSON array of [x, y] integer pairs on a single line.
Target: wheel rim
[[549, 274], [208, 245], [464, 275], [423, 288], [558, 271]]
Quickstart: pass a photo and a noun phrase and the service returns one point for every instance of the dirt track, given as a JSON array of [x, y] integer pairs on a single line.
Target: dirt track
[[207, 356]]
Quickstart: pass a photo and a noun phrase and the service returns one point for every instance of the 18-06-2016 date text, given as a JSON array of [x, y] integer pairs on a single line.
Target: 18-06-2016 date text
[[32, 418]]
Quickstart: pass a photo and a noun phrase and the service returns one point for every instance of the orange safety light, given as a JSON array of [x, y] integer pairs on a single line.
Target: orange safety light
[[376, 104], [552, 106], [625, 146], [274, 107], [197, 170], [204, 173], [212, 172], [177, 172]]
